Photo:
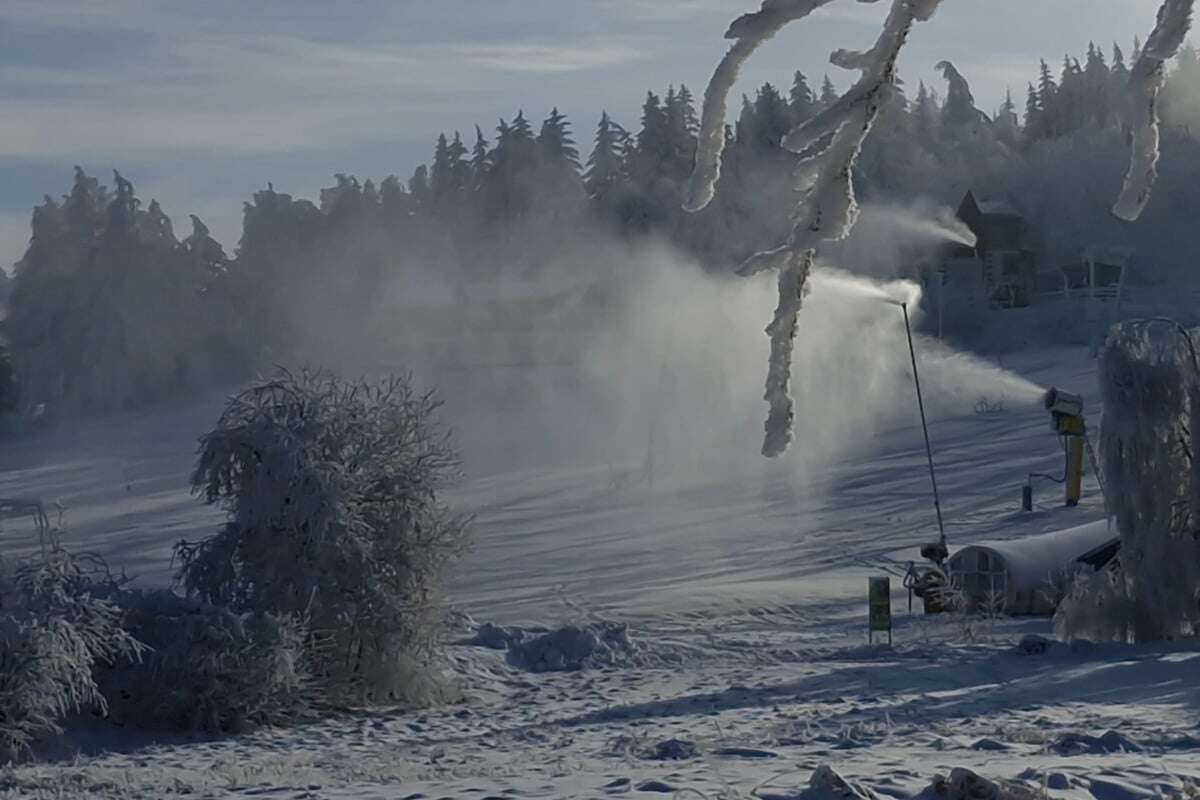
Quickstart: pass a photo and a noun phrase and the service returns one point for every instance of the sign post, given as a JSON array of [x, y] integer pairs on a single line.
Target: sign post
[[880, 607]]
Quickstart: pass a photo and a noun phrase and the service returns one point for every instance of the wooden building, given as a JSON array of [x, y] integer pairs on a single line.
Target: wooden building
[[1000, 264]]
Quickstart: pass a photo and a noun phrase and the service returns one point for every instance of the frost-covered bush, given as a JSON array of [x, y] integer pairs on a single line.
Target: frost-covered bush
[[56, 629], [1098, 608], [72, 640], [207, 668], [334, 517], [1150, 382]]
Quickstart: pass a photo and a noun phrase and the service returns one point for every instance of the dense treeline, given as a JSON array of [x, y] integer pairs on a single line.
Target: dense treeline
[[110, 309]]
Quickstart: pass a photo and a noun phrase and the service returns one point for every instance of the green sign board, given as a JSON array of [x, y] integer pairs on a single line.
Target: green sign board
[[880, 606]]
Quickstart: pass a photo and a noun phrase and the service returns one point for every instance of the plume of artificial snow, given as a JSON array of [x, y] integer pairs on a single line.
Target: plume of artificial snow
[[1145, 82], [828, 209]]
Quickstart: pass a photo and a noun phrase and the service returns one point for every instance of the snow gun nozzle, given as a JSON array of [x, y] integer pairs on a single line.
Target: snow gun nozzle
[[1060, 403], [1066, 420]]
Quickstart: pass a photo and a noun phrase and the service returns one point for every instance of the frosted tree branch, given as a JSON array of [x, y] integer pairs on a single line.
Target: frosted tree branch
[[827, 209], [793, 283], [1146, 80], [823, 179], [749, 31]]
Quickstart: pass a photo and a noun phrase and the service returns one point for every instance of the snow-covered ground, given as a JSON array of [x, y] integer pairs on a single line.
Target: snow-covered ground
[[744, 593]]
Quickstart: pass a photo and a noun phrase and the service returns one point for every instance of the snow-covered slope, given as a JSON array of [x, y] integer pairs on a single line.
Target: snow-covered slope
[[744, 586], [622, 537]]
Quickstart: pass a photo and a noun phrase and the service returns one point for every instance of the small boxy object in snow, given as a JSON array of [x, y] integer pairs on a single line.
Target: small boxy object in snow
[[880, 607]]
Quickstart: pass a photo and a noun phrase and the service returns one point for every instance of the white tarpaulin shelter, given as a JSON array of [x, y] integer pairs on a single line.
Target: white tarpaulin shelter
[[1030, 575]]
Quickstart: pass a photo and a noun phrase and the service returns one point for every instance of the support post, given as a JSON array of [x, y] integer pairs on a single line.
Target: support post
[[1074, 485], [941, 301], [937, 503]]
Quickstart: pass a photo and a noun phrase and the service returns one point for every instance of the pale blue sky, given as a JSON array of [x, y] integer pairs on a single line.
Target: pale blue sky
[[200, 103]]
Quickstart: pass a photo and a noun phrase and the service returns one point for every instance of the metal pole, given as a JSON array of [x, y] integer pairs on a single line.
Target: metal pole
[[941, 300], [937, 503]]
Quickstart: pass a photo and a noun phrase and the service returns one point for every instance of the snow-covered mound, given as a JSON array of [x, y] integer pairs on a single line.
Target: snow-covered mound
[[574, 647]]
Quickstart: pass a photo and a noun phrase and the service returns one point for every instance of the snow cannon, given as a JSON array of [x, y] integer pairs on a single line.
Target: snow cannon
[[1066, 419], [1063, 403]]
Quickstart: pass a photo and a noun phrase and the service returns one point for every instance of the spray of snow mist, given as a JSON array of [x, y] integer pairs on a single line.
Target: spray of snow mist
[[828, 208]]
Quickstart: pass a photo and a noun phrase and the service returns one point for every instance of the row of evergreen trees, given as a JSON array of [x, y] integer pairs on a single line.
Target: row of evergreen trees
[[634, 180], [109, 308], [1089, 95]]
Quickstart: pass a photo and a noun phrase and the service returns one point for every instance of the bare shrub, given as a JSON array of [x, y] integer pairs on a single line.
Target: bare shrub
[[323, 585], [334, 517], [56, 628]]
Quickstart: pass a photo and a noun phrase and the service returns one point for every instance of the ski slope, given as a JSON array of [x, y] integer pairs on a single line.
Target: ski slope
[[617, 537], [744, 588], [620, 542]]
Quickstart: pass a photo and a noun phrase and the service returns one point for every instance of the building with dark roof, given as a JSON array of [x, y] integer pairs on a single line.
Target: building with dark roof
[[1006, 267]]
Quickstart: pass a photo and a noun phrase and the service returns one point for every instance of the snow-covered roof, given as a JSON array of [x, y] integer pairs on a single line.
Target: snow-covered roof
[[1000, 207], [1032, 560]]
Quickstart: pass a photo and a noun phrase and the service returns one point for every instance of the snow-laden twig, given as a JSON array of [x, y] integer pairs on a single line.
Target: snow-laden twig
[[1146, 80], [793, 283], [828, 209], [749, 31]]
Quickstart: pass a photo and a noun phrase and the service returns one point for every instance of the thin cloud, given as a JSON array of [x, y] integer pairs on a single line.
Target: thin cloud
[[251, 93], [76, 12], [675, 10], [546, 58]]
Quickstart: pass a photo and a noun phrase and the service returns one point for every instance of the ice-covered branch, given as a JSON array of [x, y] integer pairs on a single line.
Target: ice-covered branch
[[1145, 82], [793, 285], [749, 31], [827, 207]]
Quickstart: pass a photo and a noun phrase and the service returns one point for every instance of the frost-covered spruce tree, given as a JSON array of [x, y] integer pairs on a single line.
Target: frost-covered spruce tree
[[107, 310], [1150, 381], [334, 517]]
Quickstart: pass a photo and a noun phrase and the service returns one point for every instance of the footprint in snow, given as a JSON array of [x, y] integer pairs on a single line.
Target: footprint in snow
[[989, 744], [744, 752], [618, 786], [656, 786]]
